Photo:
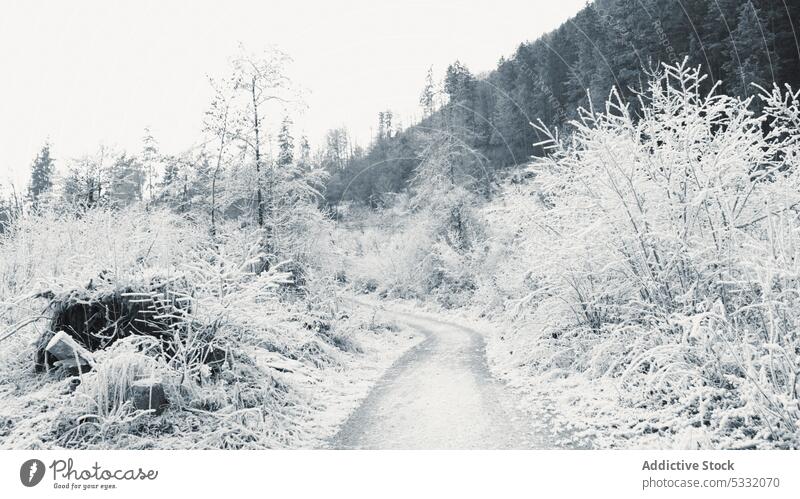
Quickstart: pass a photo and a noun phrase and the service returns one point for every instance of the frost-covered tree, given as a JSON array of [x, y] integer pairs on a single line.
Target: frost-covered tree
[[151, 162], [244, 173], [220, 125], [426, 98], [258, 80], [9, 209], [285, 143], [126, 180], [82, 185], [304, 153], [42, 171]]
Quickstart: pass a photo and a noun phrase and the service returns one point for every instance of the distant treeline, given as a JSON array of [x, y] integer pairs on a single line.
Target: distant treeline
[[608, 44]]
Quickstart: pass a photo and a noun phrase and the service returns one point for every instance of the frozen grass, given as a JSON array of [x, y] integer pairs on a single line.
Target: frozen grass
[[296, 362]]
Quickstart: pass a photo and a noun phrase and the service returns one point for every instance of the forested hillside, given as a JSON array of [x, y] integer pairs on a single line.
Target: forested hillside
[[483, 121]]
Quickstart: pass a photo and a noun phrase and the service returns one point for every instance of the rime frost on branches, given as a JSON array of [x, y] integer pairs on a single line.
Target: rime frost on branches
[[670, 240]]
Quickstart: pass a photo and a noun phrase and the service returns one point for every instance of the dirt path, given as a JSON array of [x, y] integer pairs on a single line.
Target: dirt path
[[439, 395]]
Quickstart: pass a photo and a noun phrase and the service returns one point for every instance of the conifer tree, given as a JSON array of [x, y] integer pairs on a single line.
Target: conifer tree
[[42, 171], [426, 98], [285, 143], [752, 62], [150, 160], [304, 161]]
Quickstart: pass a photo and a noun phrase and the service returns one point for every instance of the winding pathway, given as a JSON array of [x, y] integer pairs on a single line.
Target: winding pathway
[[439, 395]]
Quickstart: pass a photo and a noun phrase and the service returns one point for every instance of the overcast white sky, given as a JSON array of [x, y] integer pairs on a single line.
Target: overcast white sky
[[81, 73]]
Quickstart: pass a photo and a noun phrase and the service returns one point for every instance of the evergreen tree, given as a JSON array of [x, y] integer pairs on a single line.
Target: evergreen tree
[[304, 160], [150, 161], [169, 187], [381, 126], [42, 171], [387, 124], [753, 62], [126, 180], [459, 85], [285, 143], [426, 98], [335, 155], [715, 47]]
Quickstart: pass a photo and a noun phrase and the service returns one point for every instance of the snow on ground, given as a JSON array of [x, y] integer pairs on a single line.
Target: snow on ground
[[536, 418], [307, 401], [586, 412], [576, 412], [440, 395], [295, 365], [342, 391]]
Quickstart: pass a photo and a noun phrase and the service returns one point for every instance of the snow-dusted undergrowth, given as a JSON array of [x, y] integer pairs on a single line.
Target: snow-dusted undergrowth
[[295, 365], [644, 277], [412, 250], [657, 258]]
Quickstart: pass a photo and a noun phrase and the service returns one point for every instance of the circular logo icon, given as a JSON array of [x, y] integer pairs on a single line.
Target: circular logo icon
[[31, 472]]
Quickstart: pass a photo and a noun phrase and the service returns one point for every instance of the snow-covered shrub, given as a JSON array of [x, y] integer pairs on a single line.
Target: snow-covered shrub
[[386, 256], [411, 251], [662, 251], [69, 250], [235, 362], [103, 407]]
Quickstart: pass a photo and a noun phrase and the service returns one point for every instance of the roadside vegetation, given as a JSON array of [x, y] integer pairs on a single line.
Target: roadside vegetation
[[642, 276], [190, 301]]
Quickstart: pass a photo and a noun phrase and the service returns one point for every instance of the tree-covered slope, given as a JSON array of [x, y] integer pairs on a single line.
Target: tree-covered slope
[[609, 44]]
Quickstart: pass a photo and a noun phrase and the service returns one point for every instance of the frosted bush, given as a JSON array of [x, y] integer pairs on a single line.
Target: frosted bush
[[71, 249], [249, 318], [662, 251]]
